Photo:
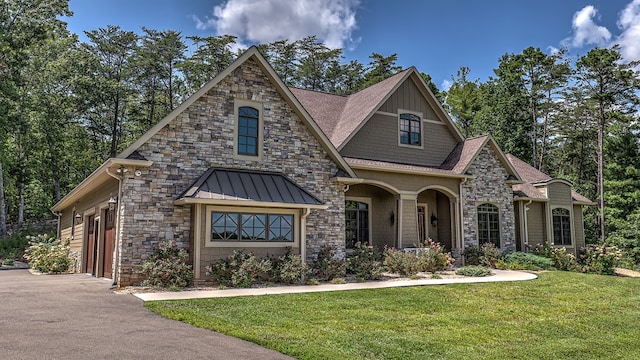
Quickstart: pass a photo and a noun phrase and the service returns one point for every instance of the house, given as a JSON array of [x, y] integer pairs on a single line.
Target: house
[[248, 163]]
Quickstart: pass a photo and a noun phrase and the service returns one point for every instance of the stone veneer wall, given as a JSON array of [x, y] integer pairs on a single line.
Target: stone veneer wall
[[202, 137], [488, 186]]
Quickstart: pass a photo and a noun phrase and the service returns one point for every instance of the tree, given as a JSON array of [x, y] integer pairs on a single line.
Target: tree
[[314, 64], [212, 54], [380, 68], [463, 100], [610, 87]]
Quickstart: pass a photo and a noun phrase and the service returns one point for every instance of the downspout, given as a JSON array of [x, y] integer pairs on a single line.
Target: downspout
[[526, 224], [303, 234], [116, 271]]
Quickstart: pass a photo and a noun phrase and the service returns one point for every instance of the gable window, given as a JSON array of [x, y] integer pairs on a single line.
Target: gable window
[[410, 129], [357, 223], [248, 121], [270, 227], [561, 226], [488, 224]]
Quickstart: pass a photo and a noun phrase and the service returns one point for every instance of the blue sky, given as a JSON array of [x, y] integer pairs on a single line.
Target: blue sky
[[436, 36]]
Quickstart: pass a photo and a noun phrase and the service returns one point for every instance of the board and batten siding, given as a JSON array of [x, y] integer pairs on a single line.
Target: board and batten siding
[[409, 97], [578, 231], [536, 219]]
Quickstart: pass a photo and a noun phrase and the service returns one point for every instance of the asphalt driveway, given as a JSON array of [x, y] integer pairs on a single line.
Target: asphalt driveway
[[78, 317]]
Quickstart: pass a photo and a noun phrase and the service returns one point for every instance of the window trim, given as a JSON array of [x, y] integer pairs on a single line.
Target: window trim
[[421, 122], [477, 205], [365, 200], [571, 227], [252, 211], [236, 121]]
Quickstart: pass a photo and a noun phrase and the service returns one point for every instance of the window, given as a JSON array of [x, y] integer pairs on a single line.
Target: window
[[230, 226], [248, 121], [410, 129], [561, 226], [488, 224], [357, 223]]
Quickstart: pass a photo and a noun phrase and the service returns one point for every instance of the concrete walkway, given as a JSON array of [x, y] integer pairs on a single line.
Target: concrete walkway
[[499, 275]]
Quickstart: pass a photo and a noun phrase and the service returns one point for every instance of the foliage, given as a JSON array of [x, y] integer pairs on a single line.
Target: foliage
[[474, 271], [529, 261], [288, 268], [48, 254], [365, 263], [562, 260], [489, 254], [240, 269], [435, 258], [13, 246], [167, 267], [600, 259], [471, 256], [542, 249], [405, 263], [327, 266]]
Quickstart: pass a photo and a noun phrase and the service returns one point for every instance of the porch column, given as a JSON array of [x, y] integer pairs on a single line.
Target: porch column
[[408, 220]]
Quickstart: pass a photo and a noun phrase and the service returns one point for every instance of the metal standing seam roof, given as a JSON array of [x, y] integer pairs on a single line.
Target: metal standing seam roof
[[233, 184]]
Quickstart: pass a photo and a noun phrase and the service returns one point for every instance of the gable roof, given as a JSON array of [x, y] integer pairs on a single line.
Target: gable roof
[[285, 92], [463, 155], [340, 117]]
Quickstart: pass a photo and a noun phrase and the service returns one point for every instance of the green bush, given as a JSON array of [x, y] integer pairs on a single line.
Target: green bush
[[48, 254], [489, 255], [240, 269], [435, 258], [472, 256], [327, 266], [167, 267], [288, 268], [541, 249], [401, 262], [365, 263], [14, 246], [474, 270], [600, 259], [528, 261], [562, 260]]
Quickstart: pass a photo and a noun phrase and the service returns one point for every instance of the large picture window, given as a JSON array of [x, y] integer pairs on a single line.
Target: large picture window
[[230, 226], [488, 224], [248, 121], [561, 226], [410, 129], [357, 223]]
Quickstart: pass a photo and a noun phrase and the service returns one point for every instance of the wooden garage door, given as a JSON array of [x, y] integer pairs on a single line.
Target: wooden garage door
[[109, 237]]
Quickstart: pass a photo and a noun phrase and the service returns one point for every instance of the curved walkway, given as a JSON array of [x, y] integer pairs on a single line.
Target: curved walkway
[[79, 317], [499, 275]]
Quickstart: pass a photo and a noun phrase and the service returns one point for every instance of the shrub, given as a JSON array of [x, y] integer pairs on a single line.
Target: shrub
[[48, 254], [471, 256], [528, 261], [563, 260], [403, 263], [489, 255], [541, 249], [14, 246], [167, 267], [474, 270], [288, 268], [239, 269], [435, 258], [600, 259], [365, 263], [327, 266]]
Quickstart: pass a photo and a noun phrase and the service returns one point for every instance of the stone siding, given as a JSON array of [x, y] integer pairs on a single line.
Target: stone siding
[[202, 137], [488, 186]]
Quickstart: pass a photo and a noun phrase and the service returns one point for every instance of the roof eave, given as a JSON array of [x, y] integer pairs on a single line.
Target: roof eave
[[412, 171], [249, 203]]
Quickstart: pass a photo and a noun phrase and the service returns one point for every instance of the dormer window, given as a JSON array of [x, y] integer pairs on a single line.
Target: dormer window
[[248, 130], [410, 129]]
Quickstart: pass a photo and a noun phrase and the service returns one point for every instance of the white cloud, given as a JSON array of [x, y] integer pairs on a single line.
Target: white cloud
[[446, 85], [586, 31], [629, 38], [332, 21]]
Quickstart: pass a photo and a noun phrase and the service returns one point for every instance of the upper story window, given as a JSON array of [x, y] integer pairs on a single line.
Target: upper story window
[[248, 127], [561, 226], [248, 130], [488, 224], [410, 129]]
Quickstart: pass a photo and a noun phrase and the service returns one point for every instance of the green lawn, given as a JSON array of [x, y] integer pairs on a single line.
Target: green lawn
[[561, 315]]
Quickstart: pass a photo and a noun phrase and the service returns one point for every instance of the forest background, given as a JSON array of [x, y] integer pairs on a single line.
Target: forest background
[[67, 105]]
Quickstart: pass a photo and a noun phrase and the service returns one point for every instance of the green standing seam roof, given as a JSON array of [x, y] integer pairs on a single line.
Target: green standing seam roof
[[234, 184]]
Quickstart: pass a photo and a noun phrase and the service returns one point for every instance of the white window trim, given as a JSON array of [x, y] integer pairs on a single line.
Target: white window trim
[[497, 205], [419, 114], [367, 201], [258, 106], [249, 210], [573, 235]]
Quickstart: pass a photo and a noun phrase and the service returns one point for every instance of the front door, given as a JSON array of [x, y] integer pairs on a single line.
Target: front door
[[91, 245], [107, 260], [422, 228]]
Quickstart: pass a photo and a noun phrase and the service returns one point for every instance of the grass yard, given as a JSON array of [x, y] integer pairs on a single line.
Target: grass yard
[[561, 315]]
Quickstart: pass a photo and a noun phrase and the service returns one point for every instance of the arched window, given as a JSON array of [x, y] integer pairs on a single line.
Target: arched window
[[561, 226], [410, 129], [248, 121], [488, 224], [357, 223]]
